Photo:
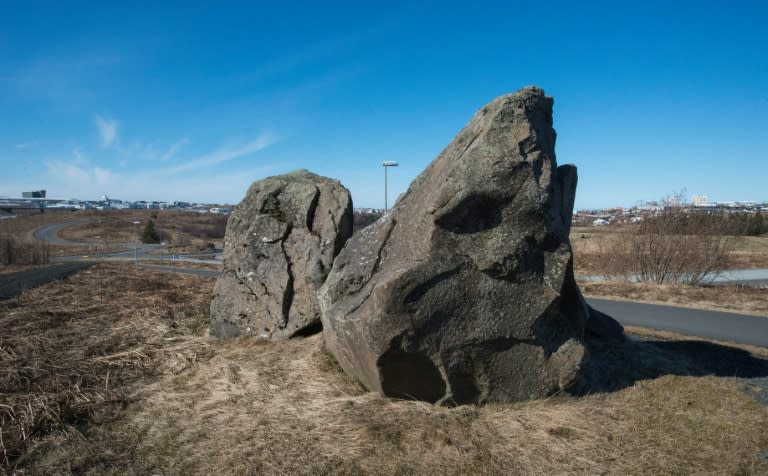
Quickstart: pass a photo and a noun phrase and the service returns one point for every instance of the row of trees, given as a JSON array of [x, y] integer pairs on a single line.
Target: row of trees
[[749, 224]]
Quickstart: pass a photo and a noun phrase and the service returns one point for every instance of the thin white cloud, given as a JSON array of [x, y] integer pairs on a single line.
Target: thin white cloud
[[219, 188], [77, 179], [67, 180], [107, 130], [101, 176], [27, 145], [224, 155], [68, 172], [64, 79], [79, 157], [173, 149], [137, 150]]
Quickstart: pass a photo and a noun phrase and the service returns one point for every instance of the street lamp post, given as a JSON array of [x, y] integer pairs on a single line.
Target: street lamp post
[[387, 164], [136, 243]]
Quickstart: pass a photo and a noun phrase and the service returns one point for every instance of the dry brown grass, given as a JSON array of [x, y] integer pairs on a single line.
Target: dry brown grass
[[735, 298], [750, 252], [16, 251], [284, 408], [103, 250], [71, 349], [257, 407], [212, 265]]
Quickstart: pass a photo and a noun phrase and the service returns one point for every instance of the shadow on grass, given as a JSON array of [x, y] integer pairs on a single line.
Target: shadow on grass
[[616, 364]]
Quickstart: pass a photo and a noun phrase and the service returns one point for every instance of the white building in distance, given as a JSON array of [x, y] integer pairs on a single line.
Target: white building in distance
[[699, 200]]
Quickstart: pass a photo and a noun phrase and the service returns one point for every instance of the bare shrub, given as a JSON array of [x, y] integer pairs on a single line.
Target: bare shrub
[[361, 220], [212, 228], [15, 251], [672, 246]]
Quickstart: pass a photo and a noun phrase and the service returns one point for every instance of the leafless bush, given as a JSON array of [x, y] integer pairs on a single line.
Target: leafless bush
[[672, 246], [361, 220], [15, 251], [213, 228]]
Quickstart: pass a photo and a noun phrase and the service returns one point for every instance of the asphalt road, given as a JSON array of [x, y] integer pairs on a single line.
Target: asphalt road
[[12, 284], [725, 326], [50, 233]]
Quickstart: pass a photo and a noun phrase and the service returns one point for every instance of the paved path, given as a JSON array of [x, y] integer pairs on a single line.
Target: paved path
[[726, 326], [50, 233]]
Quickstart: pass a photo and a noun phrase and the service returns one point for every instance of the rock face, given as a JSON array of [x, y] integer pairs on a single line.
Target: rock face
[[280, 244], [464, 292]]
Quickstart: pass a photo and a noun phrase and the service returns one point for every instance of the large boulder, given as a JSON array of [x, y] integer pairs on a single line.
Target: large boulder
[[464, 291], [279, 247]]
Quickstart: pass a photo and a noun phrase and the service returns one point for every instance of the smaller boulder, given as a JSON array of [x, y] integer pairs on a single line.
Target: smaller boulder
[[279, 247]]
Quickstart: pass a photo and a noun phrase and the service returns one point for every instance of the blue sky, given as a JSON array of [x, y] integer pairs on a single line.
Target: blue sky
[[186, 101]]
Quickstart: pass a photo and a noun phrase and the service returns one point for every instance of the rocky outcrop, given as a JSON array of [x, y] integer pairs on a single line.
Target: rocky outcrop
[[464, 291], [280, 244]]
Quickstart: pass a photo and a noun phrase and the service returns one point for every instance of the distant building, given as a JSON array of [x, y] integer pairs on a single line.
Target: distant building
[[699, 200], [34, 194]]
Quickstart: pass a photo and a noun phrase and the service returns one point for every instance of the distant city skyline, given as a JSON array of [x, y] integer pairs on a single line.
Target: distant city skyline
[[195, 103], [696, 199]]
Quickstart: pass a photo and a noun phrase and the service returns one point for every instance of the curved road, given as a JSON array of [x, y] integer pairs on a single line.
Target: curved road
[[726, 326], [50, 235]]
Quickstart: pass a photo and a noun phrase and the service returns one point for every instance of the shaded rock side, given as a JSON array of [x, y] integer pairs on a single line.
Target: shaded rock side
[[464, 292], [602, 326], [279, 247]]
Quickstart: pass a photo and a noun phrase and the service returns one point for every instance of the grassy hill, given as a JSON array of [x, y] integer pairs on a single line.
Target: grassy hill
[[111, 372]]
